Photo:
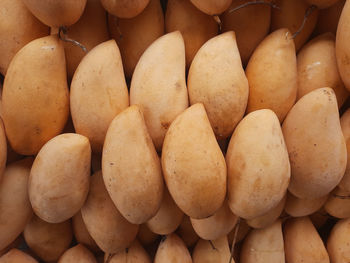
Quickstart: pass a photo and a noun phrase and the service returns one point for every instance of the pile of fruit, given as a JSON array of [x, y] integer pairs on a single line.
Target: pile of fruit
[[175, 131]]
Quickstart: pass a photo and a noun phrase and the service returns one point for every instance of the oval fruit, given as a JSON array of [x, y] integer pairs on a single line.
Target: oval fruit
[[338, 203], [315, 144], [338, 243], [215, 251], [172, 249], [125, 8], [59, 178], [15, 208], [36, 80], [258, 165], [134, 254], [158, 84], [48, 241], [272, 74], [98, 78], [81, 234], [56, 13], [216, 78], [111, 231], [212, 7], [216, 226], [193, 165], [297, 207], [317, 68], [78, 253]]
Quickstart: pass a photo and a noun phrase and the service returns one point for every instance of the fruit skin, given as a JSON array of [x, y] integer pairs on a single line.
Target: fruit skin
[[317, 68], [172, 249], [302, 242], [17, 28], [195, 26], [298, 207], [217, 80], [130, 33], [338, 242], [131, 167], [135, 253], [56, 13], [125, 8], [315, 144], [322, 4], [158, 85], [48, 241], [342, 49], [77, 254], [90, 90], [15, 208], [251, 24], [257, 164], [212, 7], [15, 255], [272, 74], [36, 80], [193, 166], [218, 251], [59, 178], [111, 231]]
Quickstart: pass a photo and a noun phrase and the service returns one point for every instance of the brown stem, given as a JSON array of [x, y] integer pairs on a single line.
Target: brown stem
[[212, 245], [272, 4], [109, 258], [218, 21], [308, 12], [65, 38], [234, 239]]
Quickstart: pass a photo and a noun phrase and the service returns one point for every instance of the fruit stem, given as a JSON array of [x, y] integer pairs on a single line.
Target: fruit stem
[[272, 4], [65, 38], [234, 239], [308, 12]]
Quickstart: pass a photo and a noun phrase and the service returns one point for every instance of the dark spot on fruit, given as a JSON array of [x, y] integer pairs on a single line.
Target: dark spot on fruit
[[165, 125], [111, 163]]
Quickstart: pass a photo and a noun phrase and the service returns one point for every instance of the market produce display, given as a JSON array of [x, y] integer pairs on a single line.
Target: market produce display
[[175, 131]]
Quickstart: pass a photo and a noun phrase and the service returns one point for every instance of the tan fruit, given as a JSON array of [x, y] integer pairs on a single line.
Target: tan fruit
[[272, 74], [212, 7], [338, 243], [90, 30], [81, 234], [187, 233], [345, 126], [302, 243], [195, 26], [77, 254], [193, 165], [17, 28], [328, 18], [264, 245], [216, 78], [317, 68], [130, 33], [136, 187], [172, 250], [322, 3], [297, 207], [338, 203], [36, 80], [168, 217], [268, 218], [217, 225], [3, 148], [257, 164], [15, 208], [342, 49], [315, 144], [125, 8], [158, 84], [251, 24], [17, 256], [59, 178], [134, 254], [111, 231], [98, 78], [215, 251], [290, 14], [56, 13], [146, 236], [48, 241]]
